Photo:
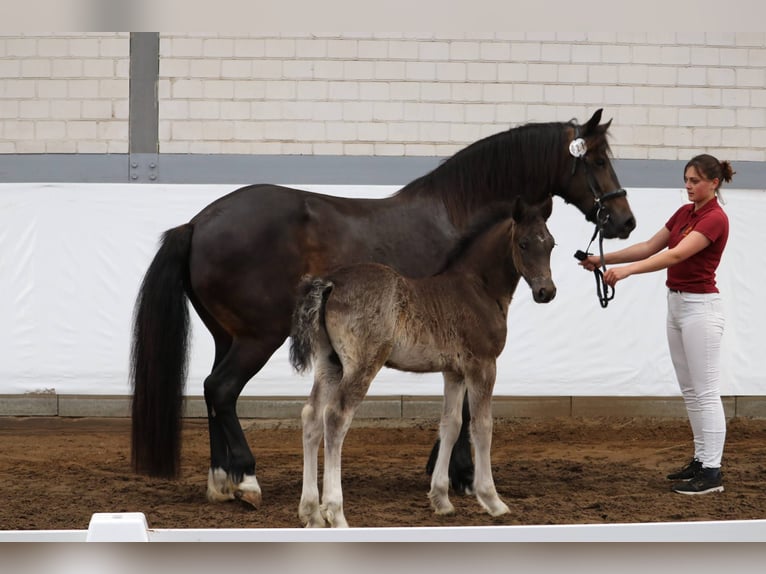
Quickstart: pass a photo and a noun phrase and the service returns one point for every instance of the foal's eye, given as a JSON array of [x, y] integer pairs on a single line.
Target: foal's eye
[[523, 245]]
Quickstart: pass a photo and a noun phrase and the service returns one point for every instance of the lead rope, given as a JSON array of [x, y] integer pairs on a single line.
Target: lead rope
[[578, 149], [604, 292]]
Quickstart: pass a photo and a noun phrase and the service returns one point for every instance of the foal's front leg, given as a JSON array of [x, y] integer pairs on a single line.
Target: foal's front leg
[[480, 399], [449, 428]]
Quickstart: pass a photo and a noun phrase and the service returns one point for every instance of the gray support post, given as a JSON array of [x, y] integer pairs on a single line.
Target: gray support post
[[143, 146]]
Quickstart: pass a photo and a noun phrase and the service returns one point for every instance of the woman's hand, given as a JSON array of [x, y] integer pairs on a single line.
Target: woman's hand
[[614, 274], [590, 263]]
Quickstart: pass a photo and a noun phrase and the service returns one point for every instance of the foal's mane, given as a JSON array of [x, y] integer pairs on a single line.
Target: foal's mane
[[486, 219], [531, 158]]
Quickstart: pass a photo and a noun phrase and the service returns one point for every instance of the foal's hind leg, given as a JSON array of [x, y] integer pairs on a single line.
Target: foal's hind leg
[[449, 427], [325, 376], [480, 397], [338, 415]]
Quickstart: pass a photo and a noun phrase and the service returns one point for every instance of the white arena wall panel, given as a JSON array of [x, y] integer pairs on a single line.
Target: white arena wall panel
[[73, 256]]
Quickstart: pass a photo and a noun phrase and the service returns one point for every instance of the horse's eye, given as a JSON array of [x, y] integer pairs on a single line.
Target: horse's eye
[[523, 245], [600, 162]]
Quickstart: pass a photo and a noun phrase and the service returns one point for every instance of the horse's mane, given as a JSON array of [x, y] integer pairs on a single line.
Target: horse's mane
[[531, 158]]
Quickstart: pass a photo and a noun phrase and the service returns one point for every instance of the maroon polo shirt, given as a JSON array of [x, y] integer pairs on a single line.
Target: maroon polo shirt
[[697, 273]]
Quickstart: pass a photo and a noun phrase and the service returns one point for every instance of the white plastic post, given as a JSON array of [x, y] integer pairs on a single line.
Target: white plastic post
[[117, 527]]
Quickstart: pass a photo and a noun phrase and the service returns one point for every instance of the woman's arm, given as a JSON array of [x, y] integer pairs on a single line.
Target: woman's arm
[[635, 252], [689, 245]]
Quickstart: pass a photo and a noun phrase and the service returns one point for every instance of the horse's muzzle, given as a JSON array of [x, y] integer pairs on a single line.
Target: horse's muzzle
[[619, 228], [616, 218]]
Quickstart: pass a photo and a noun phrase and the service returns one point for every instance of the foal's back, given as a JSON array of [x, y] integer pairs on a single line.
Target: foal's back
[[364, 304], [376, 316]]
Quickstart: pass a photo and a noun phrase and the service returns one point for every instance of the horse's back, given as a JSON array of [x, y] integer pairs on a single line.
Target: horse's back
[[251, 247]]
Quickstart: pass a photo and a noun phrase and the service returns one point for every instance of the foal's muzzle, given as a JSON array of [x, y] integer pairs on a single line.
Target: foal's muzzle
[[544, 294]]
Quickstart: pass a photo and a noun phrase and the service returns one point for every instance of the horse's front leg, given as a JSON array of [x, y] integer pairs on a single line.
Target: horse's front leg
[[480, 398], [449, 428]]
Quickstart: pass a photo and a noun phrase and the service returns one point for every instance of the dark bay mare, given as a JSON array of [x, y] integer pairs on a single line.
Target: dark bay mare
[[354, 321], [239, 262]]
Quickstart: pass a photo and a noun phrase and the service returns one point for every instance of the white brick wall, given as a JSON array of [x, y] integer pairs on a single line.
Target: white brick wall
[[669, 94], [64, 93]]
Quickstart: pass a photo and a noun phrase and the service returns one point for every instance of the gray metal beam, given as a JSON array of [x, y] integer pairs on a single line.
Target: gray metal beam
[[301, 170]]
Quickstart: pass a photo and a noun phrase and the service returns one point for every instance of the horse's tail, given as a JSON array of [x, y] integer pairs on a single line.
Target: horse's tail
[[159, 357], [308, 321]]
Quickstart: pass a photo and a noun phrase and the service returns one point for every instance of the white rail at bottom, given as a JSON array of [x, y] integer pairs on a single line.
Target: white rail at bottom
[[132, 527]]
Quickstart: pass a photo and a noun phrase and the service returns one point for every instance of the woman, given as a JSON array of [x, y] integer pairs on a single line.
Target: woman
[[695, 237]]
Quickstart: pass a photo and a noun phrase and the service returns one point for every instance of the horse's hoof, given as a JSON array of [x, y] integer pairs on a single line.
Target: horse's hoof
[[215, 497], [218, 486], [251, 497], [249, 491], [463, 486]]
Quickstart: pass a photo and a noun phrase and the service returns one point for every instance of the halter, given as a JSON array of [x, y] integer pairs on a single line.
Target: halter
[[578, 149]]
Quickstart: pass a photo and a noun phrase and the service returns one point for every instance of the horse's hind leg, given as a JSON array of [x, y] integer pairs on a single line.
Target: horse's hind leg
[[218, 484], [480, 398], [218, 487], [449, 427], [235, 477]]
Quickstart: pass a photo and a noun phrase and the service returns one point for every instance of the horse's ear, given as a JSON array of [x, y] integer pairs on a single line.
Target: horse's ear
[[593, 122]]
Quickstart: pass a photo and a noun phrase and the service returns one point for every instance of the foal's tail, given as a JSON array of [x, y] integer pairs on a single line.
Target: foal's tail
[[158, 358], [308, 321]]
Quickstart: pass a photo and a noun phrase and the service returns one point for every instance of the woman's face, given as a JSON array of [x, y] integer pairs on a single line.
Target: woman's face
[[698, 188]]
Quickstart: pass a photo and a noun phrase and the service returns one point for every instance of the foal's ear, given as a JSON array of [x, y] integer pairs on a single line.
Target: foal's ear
[[547, 208], [520, 210]]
